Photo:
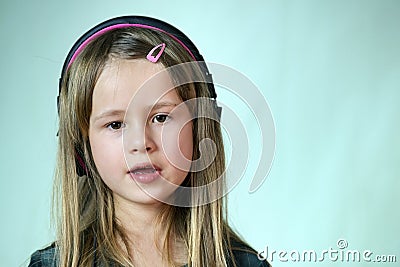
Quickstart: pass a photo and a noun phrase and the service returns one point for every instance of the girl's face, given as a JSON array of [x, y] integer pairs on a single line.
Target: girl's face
[[140, 139]]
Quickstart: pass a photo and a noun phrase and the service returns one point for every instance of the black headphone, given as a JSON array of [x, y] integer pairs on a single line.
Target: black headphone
[[139, 22]]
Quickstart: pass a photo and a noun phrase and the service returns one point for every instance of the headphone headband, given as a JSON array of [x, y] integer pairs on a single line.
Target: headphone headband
[[139, 22], [118, 26]]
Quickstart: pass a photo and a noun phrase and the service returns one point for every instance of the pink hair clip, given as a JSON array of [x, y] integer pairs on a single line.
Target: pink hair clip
[[152, 58]]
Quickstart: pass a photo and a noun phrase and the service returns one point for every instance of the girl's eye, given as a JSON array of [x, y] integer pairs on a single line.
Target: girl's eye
[[115, 125], [160, 118]]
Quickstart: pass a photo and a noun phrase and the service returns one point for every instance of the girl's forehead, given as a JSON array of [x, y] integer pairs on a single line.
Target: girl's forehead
[[124, 82], [134, 71]]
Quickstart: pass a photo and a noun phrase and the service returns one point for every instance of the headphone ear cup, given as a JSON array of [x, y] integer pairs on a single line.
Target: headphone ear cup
[[81, 168]]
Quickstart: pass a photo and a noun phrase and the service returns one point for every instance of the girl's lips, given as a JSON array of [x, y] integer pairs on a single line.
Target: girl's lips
[[144, 173]]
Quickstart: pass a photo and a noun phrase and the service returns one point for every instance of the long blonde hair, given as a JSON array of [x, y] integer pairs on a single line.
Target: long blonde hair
[[86, 222]]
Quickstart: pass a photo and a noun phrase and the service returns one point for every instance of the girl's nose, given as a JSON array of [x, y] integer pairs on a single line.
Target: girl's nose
[[139, 140], [139, 148]]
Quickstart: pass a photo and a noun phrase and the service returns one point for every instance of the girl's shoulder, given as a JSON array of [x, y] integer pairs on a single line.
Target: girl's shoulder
[[248, 259], [44, 257], [245, 256]]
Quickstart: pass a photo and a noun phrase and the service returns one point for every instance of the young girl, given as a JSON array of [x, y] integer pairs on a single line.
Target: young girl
[[128, 141]]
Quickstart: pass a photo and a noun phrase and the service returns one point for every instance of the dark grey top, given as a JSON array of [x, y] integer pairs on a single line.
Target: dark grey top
[[47, 257]]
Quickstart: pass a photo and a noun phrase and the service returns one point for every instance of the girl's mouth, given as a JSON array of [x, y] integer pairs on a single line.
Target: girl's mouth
[[144, 173]]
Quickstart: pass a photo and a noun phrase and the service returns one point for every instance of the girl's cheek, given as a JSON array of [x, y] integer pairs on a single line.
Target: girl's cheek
[[177, 145], [186, 141], [105, 149]]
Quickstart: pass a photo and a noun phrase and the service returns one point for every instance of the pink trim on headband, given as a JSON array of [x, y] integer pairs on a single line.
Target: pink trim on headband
[[124, 25]]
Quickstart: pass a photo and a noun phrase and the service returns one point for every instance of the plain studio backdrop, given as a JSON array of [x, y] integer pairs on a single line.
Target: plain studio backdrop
[[330, 71]]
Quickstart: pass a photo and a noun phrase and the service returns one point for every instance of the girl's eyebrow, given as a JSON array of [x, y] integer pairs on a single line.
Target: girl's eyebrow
[[109, 113], [163, 104]]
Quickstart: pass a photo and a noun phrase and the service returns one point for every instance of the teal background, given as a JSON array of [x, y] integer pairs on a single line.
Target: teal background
[[330, 71]]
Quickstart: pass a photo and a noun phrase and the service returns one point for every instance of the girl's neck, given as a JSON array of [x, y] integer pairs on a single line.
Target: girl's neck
[[138, 220], [140, 225]]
